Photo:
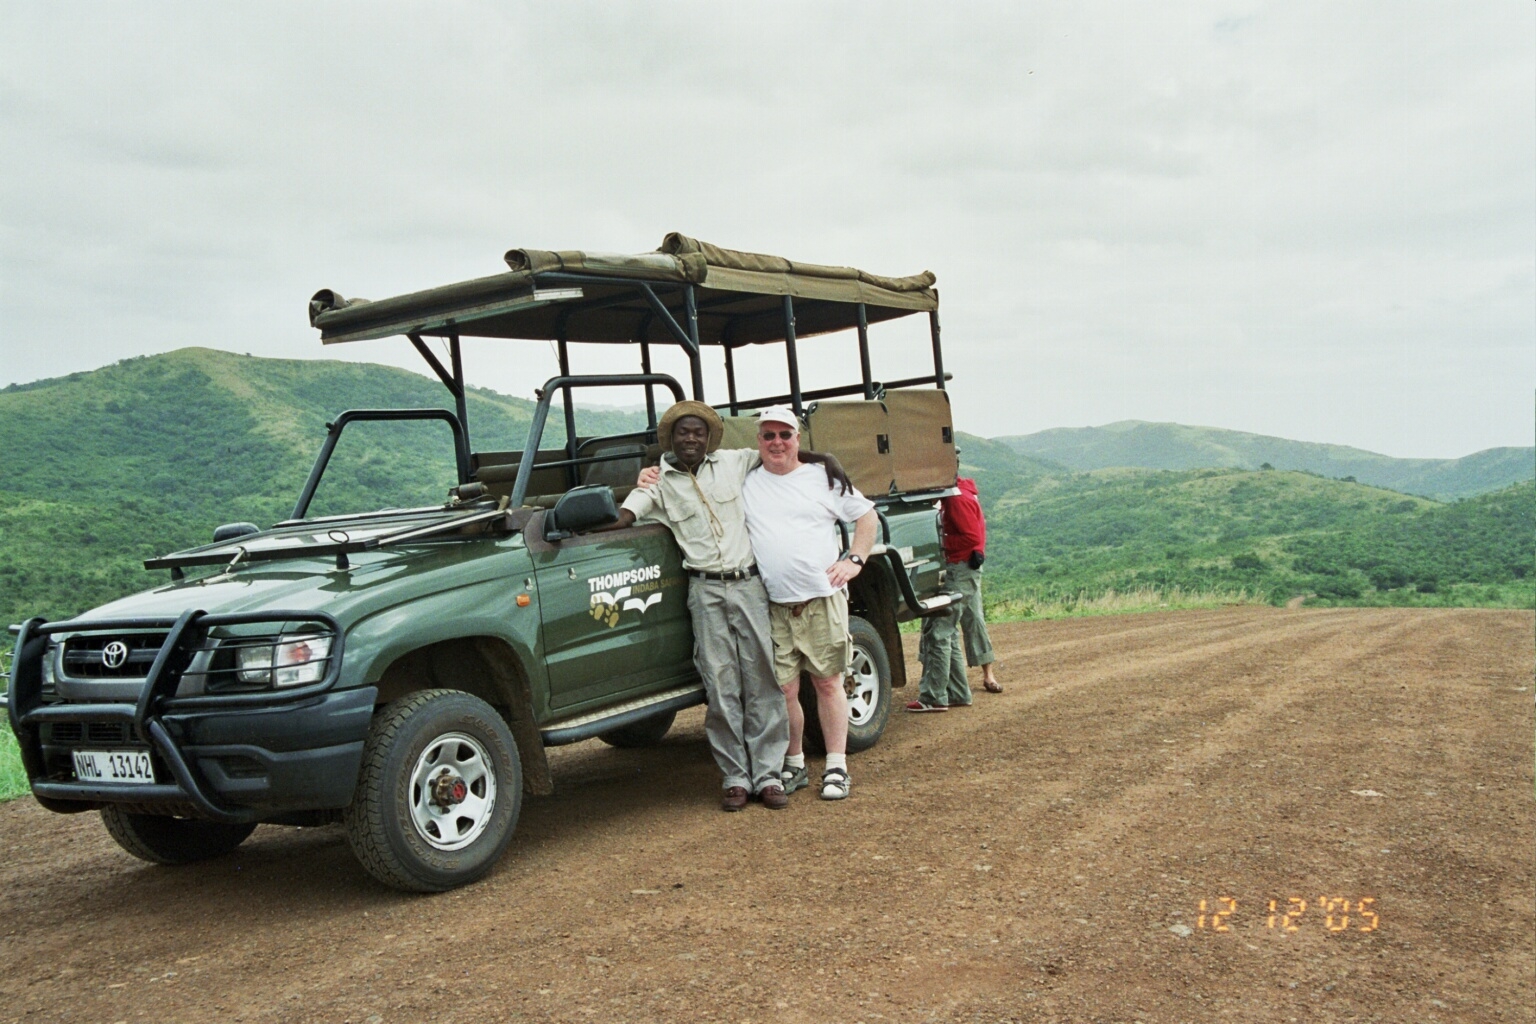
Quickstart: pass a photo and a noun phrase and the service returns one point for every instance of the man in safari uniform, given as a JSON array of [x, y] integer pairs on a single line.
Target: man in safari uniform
[[697, 494]]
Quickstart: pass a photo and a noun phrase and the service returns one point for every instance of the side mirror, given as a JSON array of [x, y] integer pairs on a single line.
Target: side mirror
[[580, 509], [229, 531]]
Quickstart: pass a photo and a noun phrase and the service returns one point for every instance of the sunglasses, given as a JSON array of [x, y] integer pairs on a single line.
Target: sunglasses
[[782, 435]]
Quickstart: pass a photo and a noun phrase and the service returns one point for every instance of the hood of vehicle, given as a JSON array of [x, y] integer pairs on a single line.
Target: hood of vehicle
[[375, 580]]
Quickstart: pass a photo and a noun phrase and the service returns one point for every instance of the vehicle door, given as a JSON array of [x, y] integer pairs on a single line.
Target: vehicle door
[[614, 607]]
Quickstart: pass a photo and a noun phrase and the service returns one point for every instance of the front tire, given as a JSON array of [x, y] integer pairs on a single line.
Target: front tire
[[439, 793], [869, 702], [161, 839], [645, 733]]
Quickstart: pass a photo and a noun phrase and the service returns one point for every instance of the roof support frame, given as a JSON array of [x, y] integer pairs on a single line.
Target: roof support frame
[[880, 387], [794, 357], [460, 399], [939, 376], [453, 381], [730, 379], [869, 386], [541, 415], [688, 339]]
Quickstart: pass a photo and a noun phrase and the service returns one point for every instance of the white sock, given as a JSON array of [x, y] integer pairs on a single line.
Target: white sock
[[794, 760], [837, 761]]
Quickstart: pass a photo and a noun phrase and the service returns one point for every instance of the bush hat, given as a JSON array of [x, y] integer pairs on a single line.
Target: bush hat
[[689, 408], [780, 414]]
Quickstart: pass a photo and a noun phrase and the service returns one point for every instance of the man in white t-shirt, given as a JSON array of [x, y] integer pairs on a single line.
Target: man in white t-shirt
[[792, 511]]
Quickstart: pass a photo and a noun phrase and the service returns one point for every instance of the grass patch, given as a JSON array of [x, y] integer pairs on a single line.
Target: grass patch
[[13, 780], [1032, 607], [1113, 602]]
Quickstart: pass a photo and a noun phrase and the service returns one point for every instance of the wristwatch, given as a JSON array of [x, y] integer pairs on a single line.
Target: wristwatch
[[855, 559]]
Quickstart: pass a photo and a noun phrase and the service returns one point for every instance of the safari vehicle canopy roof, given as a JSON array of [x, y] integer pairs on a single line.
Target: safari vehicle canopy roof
[[728, 298]]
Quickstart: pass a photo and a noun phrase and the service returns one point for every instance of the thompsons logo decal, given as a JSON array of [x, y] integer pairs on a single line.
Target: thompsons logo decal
[[615, 592]]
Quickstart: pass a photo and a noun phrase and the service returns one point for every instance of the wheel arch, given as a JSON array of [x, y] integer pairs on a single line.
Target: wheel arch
[[486, 667], [873, 596]]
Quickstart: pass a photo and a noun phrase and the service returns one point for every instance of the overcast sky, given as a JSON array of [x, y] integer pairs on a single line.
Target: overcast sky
[[1312, 220]]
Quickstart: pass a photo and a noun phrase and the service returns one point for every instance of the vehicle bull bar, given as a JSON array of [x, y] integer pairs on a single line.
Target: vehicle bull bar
[[187, 632]]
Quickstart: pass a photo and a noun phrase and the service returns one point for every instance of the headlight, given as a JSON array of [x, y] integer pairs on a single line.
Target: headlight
[[290, 661]]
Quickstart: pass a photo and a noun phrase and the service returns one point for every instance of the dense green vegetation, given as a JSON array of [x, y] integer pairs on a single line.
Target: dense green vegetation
[[147, 456], [13, 780], [1064, 537], [1135, 444]]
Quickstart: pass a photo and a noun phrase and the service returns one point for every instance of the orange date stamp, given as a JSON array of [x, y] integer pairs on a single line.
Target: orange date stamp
[[1330, 913]]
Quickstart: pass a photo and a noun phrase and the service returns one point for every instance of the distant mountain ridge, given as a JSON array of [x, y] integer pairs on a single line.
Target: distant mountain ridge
[[1174, 446], [108, 467]]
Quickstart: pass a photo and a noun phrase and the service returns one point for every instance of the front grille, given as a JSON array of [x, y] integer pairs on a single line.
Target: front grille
[[66, 732], [89, 657], [76, 733], [106, 732]]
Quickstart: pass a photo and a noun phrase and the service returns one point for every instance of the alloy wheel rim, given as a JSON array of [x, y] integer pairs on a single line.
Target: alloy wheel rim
[[442, 819], [865, 695]]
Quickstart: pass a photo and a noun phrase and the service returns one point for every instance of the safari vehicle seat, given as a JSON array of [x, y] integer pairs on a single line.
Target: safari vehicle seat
[[858, 433], [740, 432], [922, 438], [903, 442]]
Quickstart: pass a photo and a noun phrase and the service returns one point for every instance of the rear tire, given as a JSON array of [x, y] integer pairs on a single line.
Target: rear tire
[[439, 793], [869, 708], [161, 839], [645, 733]]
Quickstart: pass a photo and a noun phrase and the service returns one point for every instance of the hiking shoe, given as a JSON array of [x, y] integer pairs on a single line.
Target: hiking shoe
[[794, 778], [733, 799], [835, 784], [920, 706], [773, 797]]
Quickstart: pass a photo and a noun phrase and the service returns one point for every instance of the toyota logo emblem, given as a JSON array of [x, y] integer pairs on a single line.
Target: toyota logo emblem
[[114, 654]]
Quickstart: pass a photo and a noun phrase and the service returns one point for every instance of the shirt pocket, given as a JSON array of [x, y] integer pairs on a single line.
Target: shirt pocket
[[693, 532], [725, 499]]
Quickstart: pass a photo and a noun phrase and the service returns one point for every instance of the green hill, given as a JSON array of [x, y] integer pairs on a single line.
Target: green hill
[[1274, 535], [109, 467], [1134, 443]]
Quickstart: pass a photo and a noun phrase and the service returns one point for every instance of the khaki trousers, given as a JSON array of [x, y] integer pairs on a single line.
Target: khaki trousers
[[747, 723]]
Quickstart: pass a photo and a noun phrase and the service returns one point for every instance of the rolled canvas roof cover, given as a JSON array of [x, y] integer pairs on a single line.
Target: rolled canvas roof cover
[[739, 298]]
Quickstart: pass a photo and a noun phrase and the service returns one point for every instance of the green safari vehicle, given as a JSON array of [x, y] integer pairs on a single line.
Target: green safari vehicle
[[402, 671]]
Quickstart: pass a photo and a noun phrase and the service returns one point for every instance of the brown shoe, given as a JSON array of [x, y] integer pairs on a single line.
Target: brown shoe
[[774, 798], [734, 799]]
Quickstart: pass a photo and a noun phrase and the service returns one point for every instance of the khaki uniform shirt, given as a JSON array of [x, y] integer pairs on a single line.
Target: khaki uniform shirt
[[704, 510]]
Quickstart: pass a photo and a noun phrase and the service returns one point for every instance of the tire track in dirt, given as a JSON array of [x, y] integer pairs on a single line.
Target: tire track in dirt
[[1020, 860]]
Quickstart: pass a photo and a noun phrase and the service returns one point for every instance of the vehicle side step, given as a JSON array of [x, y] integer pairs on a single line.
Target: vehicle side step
[[937, 602], [583, 727]]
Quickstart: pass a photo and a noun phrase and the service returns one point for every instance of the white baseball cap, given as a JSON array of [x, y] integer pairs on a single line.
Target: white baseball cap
[[779, 414]]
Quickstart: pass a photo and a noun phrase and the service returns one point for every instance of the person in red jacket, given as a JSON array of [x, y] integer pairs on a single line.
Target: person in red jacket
[[958, 637]]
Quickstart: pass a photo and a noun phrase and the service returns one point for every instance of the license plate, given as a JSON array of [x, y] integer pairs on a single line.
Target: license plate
[[130, 767]]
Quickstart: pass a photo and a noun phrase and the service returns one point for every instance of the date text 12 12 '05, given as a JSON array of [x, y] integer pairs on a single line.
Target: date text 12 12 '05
[[1333, 913]]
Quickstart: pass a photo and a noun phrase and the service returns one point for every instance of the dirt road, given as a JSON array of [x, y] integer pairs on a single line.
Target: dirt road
[[1041, 856]]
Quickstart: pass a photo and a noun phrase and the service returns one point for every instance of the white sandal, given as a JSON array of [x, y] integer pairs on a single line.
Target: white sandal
[[835, 784]]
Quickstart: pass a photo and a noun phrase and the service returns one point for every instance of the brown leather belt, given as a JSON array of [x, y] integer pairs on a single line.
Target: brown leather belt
[[736, 574]]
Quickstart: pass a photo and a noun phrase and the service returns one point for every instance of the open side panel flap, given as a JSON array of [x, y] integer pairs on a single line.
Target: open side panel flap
[[858, 433], [922, 439]]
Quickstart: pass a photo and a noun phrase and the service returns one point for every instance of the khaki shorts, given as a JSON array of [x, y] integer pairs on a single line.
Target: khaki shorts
[[811, 637]]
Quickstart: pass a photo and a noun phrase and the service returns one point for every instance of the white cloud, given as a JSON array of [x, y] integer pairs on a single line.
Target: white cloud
[[1310, 220]]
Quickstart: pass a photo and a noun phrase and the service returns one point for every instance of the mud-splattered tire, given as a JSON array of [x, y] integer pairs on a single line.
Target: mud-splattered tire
[[439, 792], [645, 733], [161, 839], [869, 708]]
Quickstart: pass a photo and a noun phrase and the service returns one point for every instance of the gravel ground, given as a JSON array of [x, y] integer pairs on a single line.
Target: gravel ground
[[1042, 856]]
